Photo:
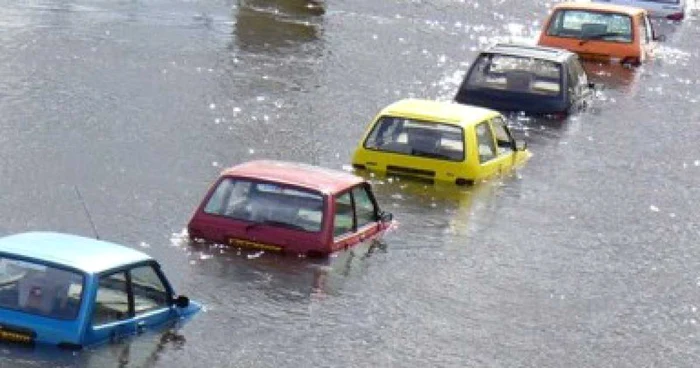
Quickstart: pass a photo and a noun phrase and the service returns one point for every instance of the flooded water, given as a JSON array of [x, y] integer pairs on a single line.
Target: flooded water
[[588, 256]]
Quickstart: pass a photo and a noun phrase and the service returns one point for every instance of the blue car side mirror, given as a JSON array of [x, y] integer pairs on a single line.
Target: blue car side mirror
[[182, 301]]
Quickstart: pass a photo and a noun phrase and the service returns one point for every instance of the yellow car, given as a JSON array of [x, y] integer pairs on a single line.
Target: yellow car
[[439, 142]]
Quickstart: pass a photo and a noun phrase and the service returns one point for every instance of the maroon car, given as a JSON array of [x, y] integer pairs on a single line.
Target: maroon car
[[288, 207]]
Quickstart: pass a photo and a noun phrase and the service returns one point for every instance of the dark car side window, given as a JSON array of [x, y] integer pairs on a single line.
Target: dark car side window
[[579, 79]]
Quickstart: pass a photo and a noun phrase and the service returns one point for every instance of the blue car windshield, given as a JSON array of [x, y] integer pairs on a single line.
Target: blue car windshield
[[39, 289]]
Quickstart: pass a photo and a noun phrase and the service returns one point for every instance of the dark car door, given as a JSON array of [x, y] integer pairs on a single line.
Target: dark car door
[[128, 302]]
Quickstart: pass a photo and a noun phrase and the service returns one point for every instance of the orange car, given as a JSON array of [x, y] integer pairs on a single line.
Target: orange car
[[601, 32]]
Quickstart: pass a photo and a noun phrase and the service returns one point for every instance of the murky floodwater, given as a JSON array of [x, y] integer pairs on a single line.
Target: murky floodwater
[[588, 256]]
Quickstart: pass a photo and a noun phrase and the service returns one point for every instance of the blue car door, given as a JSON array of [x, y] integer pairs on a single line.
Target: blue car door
[[129, 302], [111, 318], [152, 299]]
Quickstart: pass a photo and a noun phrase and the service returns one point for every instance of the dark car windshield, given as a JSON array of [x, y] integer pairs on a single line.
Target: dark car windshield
[[267, 203], [417, 138], [516, 74], [39, 289], [591, 25]]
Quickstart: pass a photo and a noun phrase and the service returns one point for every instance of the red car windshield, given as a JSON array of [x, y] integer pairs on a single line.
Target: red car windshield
[[268, 203], [39, 289]]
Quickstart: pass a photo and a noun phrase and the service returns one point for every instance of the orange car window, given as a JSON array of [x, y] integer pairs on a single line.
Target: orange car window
[[591, 25]]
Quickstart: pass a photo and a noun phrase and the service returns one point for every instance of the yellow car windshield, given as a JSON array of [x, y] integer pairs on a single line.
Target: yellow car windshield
[[417, 138]]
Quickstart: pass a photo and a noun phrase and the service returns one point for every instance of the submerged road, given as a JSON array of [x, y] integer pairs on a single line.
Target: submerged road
[[589, 256]]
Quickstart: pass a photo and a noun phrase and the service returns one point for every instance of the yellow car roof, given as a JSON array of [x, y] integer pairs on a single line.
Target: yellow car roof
[[439, 112]]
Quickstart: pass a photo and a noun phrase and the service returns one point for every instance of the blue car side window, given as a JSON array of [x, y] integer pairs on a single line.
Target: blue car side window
[[149, 291], [112, 300]]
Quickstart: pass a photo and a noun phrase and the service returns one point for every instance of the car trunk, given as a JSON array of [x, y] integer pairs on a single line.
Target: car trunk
[[254, 236], [512, 101], [27, 329]]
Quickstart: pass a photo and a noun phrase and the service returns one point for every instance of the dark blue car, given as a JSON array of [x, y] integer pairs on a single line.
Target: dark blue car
[[72, 292], [533, 79]]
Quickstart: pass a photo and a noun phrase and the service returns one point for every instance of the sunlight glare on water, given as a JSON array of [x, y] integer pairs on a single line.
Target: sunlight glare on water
[[586, 256]]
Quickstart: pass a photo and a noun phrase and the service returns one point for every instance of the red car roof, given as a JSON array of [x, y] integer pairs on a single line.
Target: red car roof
[[315, 178]]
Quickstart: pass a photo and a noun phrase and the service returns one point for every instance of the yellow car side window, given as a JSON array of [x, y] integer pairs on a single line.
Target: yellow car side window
[[484, 138]]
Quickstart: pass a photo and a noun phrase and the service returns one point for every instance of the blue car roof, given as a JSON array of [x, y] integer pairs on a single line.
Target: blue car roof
[[84, 254]]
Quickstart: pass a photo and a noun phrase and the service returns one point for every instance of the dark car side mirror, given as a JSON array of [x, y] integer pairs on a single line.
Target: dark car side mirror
[[386, 216], [181, 301], [660, 38], [520, 145]]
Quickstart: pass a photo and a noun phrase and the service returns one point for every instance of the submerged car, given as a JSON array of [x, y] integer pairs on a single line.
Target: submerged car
[[536, 80], [669, 9], [439, 142], [601, 32], [73, 292], [288, 207]]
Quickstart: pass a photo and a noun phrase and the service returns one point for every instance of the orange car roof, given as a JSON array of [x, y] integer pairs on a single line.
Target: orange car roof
[[314, 178], [610, 8]]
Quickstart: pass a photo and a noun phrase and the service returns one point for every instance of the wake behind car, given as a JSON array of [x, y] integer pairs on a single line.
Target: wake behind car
[[601, 32], [73, 292], [288, 207], [439, 142], [536, 80]]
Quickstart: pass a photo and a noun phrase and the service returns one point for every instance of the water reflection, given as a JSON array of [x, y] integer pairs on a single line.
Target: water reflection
[[40, 356], [282, 277], [141, 351], [613, 76], [440, 211], [137, 351], [273, 25]]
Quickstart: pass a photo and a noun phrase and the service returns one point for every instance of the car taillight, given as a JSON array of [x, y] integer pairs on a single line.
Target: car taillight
[[676, 16], [633, 61]]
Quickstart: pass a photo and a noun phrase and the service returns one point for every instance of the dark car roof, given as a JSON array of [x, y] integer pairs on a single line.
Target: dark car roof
[[538, 52]]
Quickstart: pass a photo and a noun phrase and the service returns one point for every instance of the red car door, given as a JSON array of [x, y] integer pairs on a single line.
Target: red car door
[[356, 217]]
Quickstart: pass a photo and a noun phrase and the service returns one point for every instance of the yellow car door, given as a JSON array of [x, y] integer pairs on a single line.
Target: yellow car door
[[496, 147]]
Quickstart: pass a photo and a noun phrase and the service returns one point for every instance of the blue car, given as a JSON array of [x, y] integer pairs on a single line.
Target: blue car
[[73, 292]]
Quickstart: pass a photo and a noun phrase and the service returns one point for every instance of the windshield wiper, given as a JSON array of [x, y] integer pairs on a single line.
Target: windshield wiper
[[600, 36], [274, 223], [416, 152]]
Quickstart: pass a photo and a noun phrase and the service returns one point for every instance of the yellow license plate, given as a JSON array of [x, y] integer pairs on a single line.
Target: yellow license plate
[[16, 336], [253, 245]]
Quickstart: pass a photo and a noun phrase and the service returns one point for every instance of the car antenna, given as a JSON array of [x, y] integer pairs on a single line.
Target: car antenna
[[87, 212]]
